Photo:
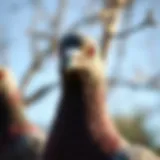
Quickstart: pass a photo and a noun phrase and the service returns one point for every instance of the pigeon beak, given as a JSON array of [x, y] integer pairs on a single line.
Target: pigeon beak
[[72, 58]]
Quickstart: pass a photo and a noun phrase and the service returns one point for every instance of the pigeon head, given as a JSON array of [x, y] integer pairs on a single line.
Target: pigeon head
[[80, 56]]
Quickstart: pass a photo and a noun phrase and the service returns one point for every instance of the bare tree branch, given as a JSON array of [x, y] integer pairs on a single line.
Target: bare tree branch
[[43, 91], [121, 46], [4, 45], [110, 15], [39, 58], [133, 85], [148, 21], [152, 85], [110, 24], [86, 20], [34, 67], [145, 23]]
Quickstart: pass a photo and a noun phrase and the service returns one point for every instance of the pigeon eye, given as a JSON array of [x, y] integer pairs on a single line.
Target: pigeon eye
[[91, 51]]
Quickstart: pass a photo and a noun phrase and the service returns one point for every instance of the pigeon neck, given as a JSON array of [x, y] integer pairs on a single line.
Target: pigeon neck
[[91, 100], [72, 132], [100, 123]]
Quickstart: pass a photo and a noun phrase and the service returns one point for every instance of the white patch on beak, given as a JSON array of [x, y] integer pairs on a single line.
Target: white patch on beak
[[72, 51], [72, 54]]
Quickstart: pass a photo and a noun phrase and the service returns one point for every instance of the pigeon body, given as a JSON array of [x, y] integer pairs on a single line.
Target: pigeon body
[[83, 129]]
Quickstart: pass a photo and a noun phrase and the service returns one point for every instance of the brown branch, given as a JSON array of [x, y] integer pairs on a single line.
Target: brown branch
[[101, 16], [86, 20], [142, 25], [112, 83], [56, 24], [36, 55], [152, 85], [34, 67], [109, 15], [116, 35], [121, 46], [110, 24], [4, 45], [148, 21], [39, 57], [42, 35], [40, 93]]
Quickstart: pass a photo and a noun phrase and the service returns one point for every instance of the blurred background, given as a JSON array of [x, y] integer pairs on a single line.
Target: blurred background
[[128, 32]]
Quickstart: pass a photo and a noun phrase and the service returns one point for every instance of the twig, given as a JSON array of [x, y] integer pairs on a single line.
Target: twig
[[110, 25], [34, 67], [110, 15], [133, 85], [43, 91], [39, 58], [121, 46]]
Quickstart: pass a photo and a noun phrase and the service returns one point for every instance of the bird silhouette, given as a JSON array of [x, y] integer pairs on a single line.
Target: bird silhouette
[[19, 139], [83, 129]]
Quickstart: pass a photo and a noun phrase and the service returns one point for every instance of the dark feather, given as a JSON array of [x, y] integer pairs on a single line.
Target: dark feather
[[69, 137]]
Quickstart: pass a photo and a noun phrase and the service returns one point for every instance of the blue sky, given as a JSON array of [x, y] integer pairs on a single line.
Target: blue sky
[[139, 49]]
